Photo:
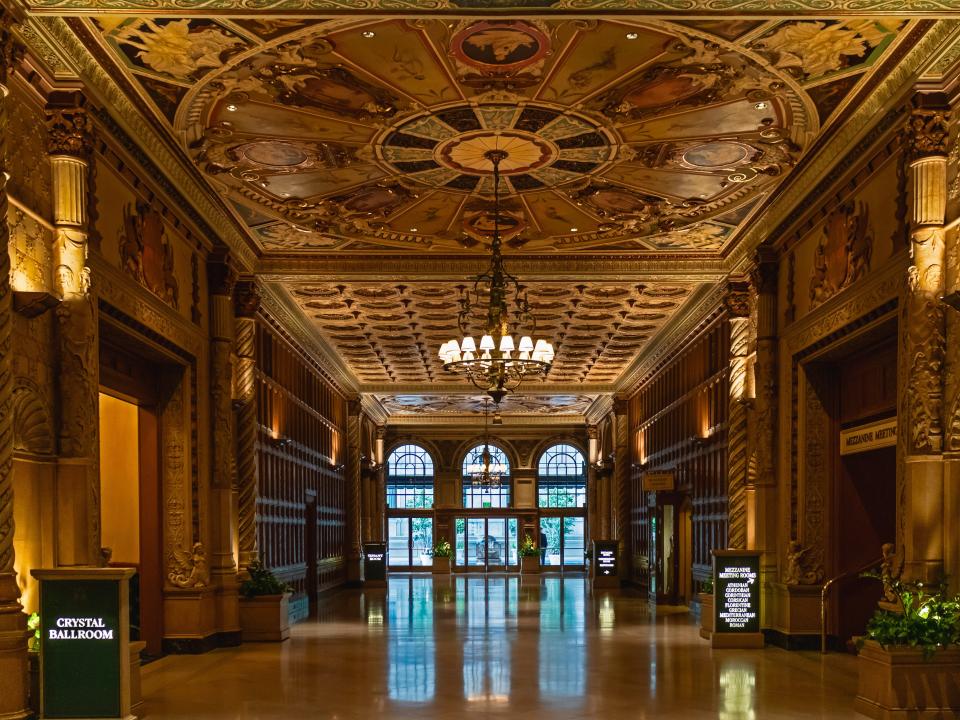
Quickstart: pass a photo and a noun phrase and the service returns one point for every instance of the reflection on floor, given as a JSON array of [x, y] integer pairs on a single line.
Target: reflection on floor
[[489, 646]]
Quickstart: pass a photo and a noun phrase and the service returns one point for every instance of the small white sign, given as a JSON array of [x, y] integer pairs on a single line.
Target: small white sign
[[868, 437]]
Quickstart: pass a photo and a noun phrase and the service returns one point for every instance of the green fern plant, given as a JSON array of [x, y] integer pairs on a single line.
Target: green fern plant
[[262, 582], [930, 619]]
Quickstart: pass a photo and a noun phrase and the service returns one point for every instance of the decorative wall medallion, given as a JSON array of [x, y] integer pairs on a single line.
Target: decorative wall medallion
[[147, 254], [843, 254]]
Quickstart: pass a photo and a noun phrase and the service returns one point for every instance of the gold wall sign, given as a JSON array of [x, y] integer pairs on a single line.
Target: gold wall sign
[[658, 481], [869, 437]]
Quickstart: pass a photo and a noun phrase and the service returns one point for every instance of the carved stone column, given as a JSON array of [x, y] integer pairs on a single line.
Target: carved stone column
[[951, 454], [762, 525], [922, 331], [221, 278], [13, 623], [737, 302], [246, 303], [78, 483], [354, 524]]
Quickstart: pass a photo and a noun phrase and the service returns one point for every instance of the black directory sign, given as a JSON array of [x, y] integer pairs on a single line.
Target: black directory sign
[[375, 562], [605, 558], [83, 644], [736, 587]]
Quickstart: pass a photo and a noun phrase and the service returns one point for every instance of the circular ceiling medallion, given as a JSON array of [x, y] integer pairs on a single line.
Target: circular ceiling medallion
[[468, 153], [274, 154], [504, 46], [716, 154]]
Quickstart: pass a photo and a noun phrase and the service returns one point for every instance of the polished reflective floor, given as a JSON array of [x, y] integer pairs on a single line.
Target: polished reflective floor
[[489, 646]]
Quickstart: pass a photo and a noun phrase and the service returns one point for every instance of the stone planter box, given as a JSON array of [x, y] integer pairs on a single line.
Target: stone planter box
[[441, 565], [265, 618], [706, 615], [897, 682], [530, 564]]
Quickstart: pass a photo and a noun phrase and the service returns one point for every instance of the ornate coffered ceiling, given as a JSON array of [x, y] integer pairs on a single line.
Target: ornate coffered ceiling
[[348, 148]]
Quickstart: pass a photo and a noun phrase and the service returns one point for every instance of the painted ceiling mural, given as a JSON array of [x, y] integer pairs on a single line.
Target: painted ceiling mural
[[389, 333], [516, 404], [368, 135]]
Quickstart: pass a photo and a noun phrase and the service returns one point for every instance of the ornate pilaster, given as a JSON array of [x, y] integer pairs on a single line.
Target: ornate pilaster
[[380, 489], [922, 333], [69, 146], [246, 303], [620, 500], [221, 278], [762, 527], [738, 305], [353, 479], [13, 628]]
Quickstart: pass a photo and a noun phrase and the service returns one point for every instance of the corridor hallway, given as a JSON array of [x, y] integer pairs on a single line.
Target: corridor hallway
[[492, 646]]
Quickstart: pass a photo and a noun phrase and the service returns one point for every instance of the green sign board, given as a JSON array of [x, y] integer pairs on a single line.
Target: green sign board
[[80, 645]]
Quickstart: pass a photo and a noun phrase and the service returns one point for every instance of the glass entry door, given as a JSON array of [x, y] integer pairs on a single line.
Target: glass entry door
[[409, 541], [486, 543], [562, 542]]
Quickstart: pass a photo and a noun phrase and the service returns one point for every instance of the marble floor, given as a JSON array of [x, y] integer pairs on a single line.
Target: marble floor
[[475, 646]]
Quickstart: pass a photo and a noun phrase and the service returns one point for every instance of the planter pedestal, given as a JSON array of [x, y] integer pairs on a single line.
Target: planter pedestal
[[265, 618], [441, 565], [530, 564], [897, 682]]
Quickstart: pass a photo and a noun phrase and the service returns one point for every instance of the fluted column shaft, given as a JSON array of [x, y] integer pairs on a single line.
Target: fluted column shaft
[[354, 523], [737, 301], [922, 333], [13, 623]]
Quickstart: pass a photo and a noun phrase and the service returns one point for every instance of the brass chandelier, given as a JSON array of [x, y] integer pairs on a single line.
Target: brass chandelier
[[507, 353], [486, 474]]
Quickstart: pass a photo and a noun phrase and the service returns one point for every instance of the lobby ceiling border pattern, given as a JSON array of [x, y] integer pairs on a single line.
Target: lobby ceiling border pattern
[[653, 8], [106, 90], [935, 38]]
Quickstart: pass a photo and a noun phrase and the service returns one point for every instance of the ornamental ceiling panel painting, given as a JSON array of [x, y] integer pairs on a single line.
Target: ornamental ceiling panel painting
[[368, 135]]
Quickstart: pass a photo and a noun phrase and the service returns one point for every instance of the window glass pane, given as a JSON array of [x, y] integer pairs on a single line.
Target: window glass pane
[[409, 478], [476, 495], [562, 478], [422, 541], [398, 541]]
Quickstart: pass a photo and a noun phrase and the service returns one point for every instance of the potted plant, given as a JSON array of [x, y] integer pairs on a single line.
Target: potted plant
[[33, 656], [909, 661], [705, 596], [263, 606], [442, 552], [529, 556]]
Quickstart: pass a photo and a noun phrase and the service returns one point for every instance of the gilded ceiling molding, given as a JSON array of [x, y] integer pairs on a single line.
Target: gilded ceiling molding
[[106, 90], [663, 8], [600, 408], [465, 389], [44, 51], [277, 303], [374, 409], [334, 268], [508, 420], [823, 160], [700, 305]]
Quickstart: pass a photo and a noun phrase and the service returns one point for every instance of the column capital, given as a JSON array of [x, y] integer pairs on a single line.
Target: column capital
[[246, 298], [928, 127], [221, 275], [736, 299], [69, 132], [11, 49]]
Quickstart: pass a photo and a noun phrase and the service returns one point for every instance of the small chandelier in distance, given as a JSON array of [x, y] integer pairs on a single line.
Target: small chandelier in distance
[[486, 474], [506, 356]]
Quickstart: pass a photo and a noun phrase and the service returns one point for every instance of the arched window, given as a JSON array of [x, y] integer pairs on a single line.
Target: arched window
[[409, 478], [480, 495], [562, 478]]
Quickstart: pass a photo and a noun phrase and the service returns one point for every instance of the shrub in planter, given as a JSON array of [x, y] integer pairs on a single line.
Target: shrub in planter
[[910, 660], [705, 596], [442, 552], [263, 606], [529, 555]]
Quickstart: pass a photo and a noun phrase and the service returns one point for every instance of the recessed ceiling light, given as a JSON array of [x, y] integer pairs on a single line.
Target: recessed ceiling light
[[632, 35], [574, 229], [761, 105], [232, 108], [284, 194], [368, 33], [413, 229]]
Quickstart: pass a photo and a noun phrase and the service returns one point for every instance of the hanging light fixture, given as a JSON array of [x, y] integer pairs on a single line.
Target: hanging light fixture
[[507, 353], [486, 474]]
